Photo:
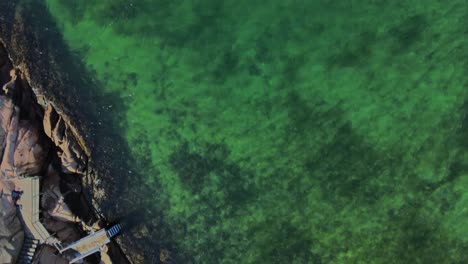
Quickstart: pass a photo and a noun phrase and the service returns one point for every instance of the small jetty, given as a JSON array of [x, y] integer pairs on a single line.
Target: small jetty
[[91, 244], [36, 234]]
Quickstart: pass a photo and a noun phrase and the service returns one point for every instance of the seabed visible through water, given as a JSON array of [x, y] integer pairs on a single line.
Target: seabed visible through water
[[285, 131]]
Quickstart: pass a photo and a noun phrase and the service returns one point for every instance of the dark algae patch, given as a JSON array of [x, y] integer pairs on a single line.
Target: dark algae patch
[[408, 32], [196, 171], [279, 131]]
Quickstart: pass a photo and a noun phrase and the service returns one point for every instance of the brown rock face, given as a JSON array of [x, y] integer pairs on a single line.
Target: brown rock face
[[72, 156], [8, 111], [24, 149], [47, 254], [11, 232]]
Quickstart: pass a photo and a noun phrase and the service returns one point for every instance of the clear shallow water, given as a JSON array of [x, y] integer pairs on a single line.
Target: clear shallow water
[[287, 131]]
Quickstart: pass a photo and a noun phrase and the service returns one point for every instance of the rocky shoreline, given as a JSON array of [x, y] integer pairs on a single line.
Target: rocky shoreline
[[37, 141], [62, 99]]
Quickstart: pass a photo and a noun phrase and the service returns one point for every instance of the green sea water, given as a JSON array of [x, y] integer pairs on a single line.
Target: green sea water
[[287, 131]]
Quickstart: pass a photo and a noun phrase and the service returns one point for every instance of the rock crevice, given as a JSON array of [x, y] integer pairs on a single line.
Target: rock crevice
[[73, 158]]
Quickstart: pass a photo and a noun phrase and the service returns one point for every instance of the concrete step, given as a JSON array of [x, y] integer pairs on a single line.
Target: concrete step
[[28, 250]]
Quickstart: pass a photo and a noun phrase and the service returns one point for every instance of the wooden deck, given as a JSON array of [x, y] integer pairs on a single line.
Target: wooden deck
[[30, 211]]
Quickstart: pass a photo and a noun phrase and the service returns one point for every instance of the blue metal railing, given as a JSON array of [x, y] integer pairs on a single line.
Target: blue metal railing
[[113, 230]]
